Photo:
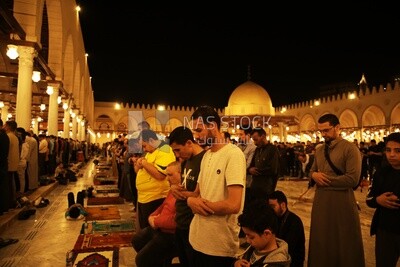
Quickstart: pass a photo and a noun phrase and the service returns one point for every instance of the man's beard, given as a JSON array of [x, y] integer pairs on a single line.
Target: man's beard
[[328, 140]]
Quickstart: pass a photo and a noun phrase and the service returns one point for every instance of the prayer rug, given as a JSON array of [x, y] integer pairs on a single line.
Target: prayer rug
[[106, 195], [102, 213], [107, 191], [104, 174], [105, 200], [96, 257], [104, 181], [105, 187], [108, 226], [103, 168], [116, 239]]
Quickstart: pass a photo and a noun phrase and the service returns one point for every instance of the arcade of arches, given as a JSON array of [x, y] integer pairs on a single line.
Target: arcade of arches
[[364, 114]]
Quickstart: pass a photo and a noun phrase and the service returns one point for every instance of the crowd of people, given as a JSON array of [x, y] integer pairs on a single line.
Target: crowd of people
[[27, 160], [222, 181], [197, 194]]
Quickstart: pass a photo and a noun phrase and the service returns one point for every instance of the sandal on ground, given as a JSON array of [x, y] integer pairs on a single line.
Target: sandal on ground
[[43, 203]]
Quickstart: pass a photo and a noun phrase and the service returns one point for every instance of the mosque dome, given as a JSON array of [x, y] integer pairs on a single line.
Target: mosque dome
[[249, 98]]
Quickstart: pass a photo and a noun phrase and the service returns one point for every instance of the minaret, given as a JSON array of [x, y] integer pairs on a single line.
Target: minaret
[[363, 85]]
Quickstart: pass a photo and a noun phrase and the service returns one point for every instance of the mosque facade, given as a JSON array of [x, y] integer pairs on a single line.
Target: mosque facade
[[364, 113]]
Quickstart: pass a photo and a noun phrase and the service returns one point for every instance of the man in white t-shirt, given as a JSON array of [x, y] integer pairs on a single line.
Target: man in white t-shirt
[[214, 231]]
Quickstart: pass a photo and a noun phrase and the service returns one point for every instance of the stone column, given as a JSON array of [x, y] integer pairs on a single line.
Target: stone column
[[270, 132], [35, 126], [74, 123], [84, 134], [67, 118], [24, 88], [52, 121], [281, 129], [79, 126], [284, 133], [4, 112]]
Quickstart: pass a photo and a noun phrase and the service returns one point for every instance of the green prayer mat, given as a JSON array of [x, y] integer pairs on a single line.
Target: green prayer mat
[[108, 226]]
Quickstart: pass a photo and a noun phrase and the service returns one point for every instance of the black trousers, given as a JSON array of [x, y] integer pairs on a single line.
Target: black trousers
[[153, 247], [145, 209], [185, 250], [200, 260], [71, 198], [387, 248]]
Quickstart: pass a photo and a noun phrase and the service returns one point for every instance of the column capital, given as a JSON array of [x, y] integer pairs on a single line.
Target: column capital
[[26, 55], [56, 86]]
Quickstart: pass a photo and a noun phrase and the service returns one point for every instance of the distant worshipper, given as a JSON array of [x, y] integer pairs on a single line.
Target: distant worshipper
[[76, 211]]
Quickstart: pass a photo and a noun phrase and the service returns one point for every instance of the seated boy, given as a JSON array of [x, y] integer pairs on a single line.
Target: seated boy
[[259, 223], [155, 244]]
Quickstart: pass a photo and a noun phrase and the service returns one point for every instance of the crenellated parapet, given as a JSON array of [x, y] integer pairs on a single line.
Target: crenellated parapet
[[150, 107], [361, 111], [112, 118], [379, 91]]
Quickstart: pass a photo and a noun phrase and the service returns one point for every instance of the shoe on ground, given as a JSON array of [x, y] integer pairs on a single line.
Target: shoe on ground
[[6, 242], [25, 214]]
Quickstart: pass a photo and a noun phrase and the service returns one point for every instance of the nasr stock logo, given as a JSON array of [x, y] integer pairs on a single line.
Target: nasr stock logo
[[162, 118]]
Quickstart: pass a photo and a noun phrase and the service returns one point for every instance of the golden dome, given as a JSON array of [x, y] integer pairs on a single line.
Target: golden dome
[[249, 98]]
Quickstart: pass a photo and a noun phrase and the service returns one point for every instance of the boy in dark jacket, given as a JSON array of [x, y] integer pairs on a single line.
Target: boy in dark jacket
[[384, 195], [260, 224]]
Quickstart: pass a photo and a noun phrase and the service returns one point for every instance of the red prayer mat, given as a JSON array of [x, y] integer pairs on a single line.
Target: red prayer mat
[[102, 213], [115, 239], [105, 200], [96, 257]]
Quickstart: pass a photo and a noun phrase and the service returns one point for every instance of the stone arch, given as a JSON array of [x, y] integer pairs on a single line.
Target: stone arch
[[104, 123], [55, 38], [29, 17], [155, 124], [348, 119], [81, 100], [307, 123], [172, 124], [373, 116], [123, 124], [68, 66], [76, 84], [395, 115], [132, 124], [122, 127]]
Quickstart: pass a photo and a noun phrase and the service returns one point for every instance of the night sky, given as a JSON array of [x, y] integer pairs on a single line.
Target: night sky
[[150, 54]]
